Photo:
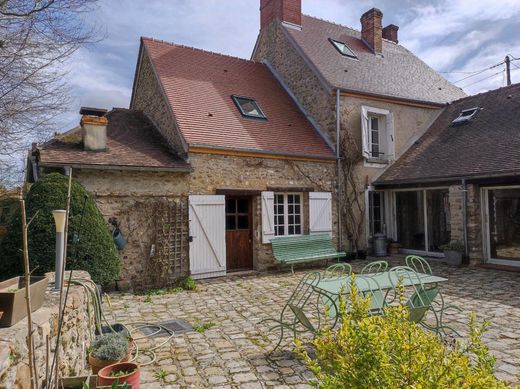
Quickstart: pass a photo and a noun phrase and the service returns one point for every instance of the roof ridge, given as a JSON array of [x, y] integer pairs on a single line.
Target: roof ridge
[[331, 22], [512, 86], [201, 50]]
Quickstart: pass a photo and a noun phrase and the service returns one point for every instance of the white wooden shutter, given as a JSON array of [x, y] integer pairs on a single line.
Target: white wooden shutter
[[267, 217], [320, 213], [365, 132], [208, 236], [390, 151]]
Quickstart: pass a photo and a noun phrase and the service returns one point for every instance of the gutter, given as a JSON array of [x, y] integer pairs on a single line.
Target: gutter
[[118, 167]]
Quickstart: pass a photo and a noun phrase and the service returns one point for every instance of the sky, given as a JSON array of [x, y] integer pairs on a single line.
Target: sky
[[455, 37]]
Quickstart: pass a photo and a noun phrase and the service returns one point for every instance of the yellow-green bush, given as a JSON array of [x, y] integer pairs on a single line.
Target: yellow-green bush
[[388, 351]]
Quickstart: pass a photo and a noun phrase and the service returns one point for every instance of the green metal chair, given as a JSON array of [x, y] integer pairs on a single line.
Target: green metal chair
[[336, 271], [375, 267], [419, 264], [422, 300], [368, 287], [293, 316]]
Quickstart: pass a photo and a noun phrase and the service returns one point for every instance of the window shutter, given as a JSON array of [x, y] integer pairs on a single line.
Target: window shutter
[[320, 213], [390, 136], [267, 217], [365, 131]]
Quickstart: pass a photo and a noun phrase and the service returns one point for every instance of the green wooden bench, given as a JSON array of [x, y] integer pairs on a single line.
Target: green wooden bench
[[304, 248]]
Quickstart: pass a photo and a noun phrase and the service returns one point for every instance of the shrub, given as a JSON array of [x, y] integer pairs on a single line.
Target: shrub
[[454, 245], [95, 251], [391, 352], [110, 347], [188, 284]]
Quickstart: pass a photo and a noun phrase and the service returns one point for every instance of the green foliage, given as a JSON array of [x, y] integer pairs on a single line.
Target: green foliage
[[161, 374], [95, 252], [110, 347], [391, 352], [454, 245], [203, 327], [188, 284]]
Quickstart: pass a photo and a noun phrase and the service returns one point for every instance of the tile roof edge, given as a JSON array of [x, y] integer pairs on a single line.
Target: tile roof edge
[[198, 49], [101, 166], [331, 22], [433, 179], [512, 86]]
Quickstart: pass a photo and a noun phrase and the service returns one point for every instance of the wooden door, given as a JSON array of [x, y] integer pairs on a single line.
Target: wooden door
[[207, 241], [239, 236]]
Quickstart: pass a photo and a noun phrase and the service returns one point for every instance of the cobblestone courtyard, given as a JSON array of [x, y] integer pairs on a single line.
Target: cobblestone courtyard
[[232, 353]]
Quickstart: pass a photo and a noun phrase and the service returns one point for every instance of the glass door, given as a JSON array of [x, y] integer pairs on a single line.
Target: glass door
[[423, 219], [503, 216]]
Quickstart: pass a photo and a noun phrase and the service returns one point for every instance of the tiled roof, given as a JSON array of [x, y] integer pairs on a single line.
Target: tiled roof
[[487, 145], [132, 142], [399, 73], [199, 85]]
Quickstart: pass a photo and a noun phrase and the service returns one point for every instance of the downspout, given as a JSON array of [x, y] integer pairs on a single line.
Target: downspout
[[465, 216], [338, 163]]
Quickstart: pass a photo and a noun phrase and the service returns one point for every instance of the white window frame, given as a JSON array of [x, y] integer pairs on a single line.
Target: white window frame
[[286, 213], [389, 131]]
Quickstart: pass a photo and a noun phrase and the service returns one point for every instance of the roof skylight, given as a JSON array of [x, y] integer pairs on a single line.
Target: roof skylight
[[466, 115], [248, 107], [343, 48]]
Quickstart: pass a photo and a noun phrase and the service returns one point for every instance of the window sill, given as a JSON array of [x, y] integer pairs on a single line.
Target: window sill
[[374, 162]]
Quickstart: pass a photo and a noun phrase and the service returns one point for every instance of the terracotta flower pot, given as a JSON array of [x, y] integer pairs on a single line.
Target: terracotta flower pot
[[105, 375], [393, 248], [97, 364]]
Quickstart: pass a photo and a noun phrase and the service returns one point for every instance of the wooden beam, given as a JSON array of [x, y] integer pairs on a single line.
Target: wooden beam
[[393, 100], [239, 153]]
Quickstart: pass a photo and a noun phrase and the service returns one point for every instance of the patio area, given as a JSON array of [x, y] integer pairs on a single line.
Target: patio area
[[231, 348]]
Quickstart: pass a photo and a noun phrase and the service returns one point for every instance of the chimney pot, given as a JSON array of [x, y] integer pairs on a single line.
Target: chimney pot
[[94, 129], [390, 33], [371, 29], [289, 11]]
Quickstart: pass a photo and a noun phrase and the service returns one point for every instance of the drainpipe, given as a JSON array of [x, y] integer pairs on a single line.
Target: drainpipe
[[465, 216], [338, 163]]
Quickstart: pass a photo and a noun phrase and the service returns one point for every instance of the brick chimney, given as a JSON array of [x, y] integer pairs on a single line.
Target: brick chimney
[[371, 29], [94, 128], [288, 11], [390, 33]]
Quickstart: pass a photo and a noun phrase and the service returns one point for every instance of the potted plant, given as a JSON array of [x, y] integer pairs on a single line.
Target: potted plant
[[120, 373], [453, 252], [393, 247], [108, 349], [12, 298], [79, 382]]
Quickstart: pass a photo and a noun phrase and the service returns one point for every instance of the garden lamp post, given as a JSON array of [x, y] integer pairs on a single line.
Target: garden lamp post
[[59, 219]]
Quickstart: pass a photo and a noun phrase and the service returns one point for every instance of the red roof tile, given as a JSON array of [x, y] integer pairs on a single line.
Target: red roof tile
[[132, 142], [199, 85]]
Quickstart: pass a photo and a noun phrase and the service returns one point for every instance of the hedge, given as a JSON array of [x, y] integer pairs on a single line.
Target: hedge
[[90, 246]]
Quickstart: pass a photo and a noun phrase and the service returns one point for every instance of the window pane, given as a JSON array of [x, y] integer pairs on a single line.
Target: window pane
[[248, 107], [291, 230], [230, 222], [297, 230], [243, 222], [504, 223], [230, 205], [243, 206], [438, 217], [410, 219], [376, 213]]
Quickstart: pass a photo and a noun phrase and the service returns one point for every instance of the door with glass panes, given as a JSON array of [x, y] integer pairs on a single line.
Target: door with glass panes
[[239, 236]]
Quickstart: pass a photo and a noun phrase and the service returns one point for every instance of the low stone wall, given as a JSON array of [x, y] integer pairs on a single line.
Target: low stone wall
[[76, 336]]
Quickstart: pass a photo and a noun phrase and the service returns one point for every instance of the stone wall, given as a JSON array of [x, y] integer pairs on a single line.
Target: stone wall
[[140, 201], [212, 172], [149, 98], [76, 336]]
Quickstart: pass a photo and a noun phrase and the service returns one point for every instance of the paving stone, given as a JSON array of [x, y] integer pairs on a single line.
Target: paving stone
[[233, 354]]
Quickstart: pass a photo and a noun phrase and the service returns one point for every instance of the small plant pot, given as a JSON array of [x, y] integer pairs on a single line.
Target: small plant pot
[[12, 298], [98, 364], [453, 258], [106, 375], [393, 248]]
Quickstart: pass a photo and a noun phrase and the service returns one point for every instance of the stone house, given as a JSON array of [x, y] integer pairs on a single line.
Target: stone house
[[211, 161], [217, 155], [370, 95], [460, 181]]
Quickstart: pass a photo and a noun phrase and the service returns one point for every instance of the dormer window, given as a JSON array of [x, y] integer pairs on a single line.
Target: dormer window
[[343, 48], [248, 107], [465, 115]]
